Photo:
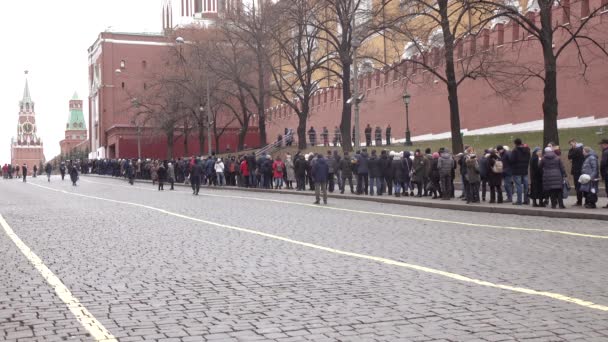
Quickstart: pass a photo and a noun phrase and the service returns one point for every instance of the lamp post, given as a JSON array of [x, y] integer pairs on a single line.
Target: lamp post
[[408, 135], [355, 44], [202, 109]]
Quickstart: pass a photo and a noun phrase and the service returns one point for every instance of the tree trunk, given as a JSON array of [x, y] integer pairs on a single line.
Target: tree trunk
[[261, 102], [550, 133], [186, 133], [243, 134], [170, 143], [450, 75], [302, 120], [216, 137], [345, 123], [550, 105], [201, 141]]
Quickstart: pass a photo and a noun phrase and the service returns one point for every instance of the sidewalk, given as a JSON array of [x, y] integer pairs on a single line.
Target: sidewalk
[[571, 211]]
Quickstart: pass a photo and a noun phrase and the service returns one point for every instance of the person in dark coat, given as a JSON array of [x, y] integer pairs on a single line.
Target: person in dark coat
[[362, 172], [320, 174], [520, 162], [398, 173], [408, 165], [434, 176], [130, 171], [375, 174], [386, 166], [388, 135], [62, 170], [604, 164], [536, 179], [24, 172], [346, 170], [48, 169], [300, 171], [494, 178], [368, 135], [195, 176], [575, 155], [420, 165], [162, 176], [483, 174], [73, 174], [554, 175]]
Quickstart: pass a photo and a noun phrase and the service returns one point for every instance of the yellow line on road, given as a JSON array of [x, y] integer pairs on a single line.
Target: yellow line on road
[[455, 276], [416, 218], [86, 319]]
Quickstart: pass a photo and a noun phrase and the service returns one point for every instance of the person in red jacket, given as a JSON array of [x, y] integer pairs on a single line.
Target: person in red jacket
[[245, 172], [278, 168]]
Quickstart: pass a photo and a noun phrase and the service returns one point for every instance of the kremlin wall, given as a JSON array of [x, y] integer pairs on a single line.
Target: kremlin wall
[[480, 105]]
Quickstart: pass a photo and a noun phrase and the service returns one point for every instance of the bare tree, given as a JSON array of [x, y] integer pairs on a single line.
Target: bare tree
[[343, 25], [250, 28], [231, 63], [555, 37], [434, 28], [297, 59]]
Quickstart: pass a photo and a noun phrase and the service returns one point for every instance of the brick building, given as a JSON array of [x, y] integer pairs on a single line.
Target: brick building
[[121, 64], [75, 129], [27, 147]]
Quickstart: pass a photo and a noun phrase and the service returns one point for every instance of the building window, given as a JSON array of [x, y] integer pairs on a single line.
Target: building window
[[123, 85], [144, 64], [145, 86], [123, 64]]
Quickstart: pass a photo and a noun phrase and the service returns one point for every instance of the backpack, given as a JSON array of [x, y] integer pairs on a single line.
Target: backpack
[[279, 167], [497, 168]]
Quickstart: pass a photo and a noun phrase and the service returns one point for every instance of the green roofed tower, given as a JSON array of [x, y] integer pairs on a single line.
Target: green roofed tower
[[76, 119], [75, 130]]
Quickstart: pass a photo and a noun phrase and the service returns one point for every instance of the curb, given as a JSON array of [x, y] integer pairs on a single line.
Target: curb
[[521, 210]]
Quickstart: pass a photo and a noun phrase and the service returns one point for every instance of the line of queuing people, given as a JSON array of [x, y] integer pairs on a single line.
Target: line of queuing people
[[520, 175]]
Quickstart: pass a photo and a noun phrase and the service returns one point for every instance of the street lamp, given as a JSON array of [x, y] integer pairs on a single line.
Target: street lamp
[[408, 135], [355, 44]]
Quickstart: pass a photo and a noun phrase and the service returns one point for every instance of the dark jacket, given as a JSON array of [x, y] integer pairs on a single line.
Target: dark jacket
[[553, 172], [505, 157], [420, 169], [483, 167], [536, 178], [398, 168], [604, 165], [162, 173], [374, 167], [473, 168], [575, 155], [520, 160], [495, 179], [345, 166], [300, 167], [445, 164], [362, 163], [320, 170], [197, 171]]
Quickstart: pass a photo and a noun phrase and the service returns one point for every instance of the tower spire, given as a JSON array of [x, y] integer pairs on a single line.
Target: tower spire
[[26, 92]]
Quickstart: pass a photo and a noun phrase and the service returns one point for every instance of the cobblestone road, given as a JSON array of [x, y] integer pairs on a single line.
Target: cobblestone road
[[231, 265]]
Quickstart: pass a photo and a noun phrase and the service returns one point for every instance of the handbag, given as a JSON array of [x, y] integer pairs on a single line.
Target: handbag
[[566, 189]]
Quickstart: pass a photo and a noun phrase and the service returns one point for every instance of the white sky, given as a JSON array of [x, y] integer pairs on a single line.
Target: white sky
[[50, 39]]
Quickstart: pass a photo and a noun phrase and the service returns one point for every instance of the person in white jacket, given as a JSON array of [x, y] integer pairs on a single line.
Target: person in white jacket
[[219, 172]]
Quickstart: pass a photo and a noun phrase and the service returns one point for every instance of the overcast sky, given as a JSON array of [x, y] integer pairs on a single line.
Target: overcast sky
[[50, 39]]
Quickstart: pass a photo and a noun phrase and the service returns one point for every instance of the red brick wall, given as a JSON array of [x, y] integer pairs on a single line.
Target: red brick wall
[[479, 105]]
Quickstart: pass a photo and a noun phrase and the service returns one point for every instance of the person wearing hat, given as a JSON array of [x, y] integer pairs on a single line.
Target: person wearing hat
[[604, 164], [554, 175]]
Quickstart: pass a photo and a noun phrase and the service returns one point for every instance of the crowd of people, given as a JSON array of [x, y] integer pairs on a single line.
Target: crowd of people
[[518, 175], [72, 168], [337, 136]]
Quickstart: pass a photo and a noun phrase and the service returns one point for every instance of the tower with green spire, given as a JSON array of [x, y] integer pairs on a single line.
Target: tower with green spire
[[75, 129]]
